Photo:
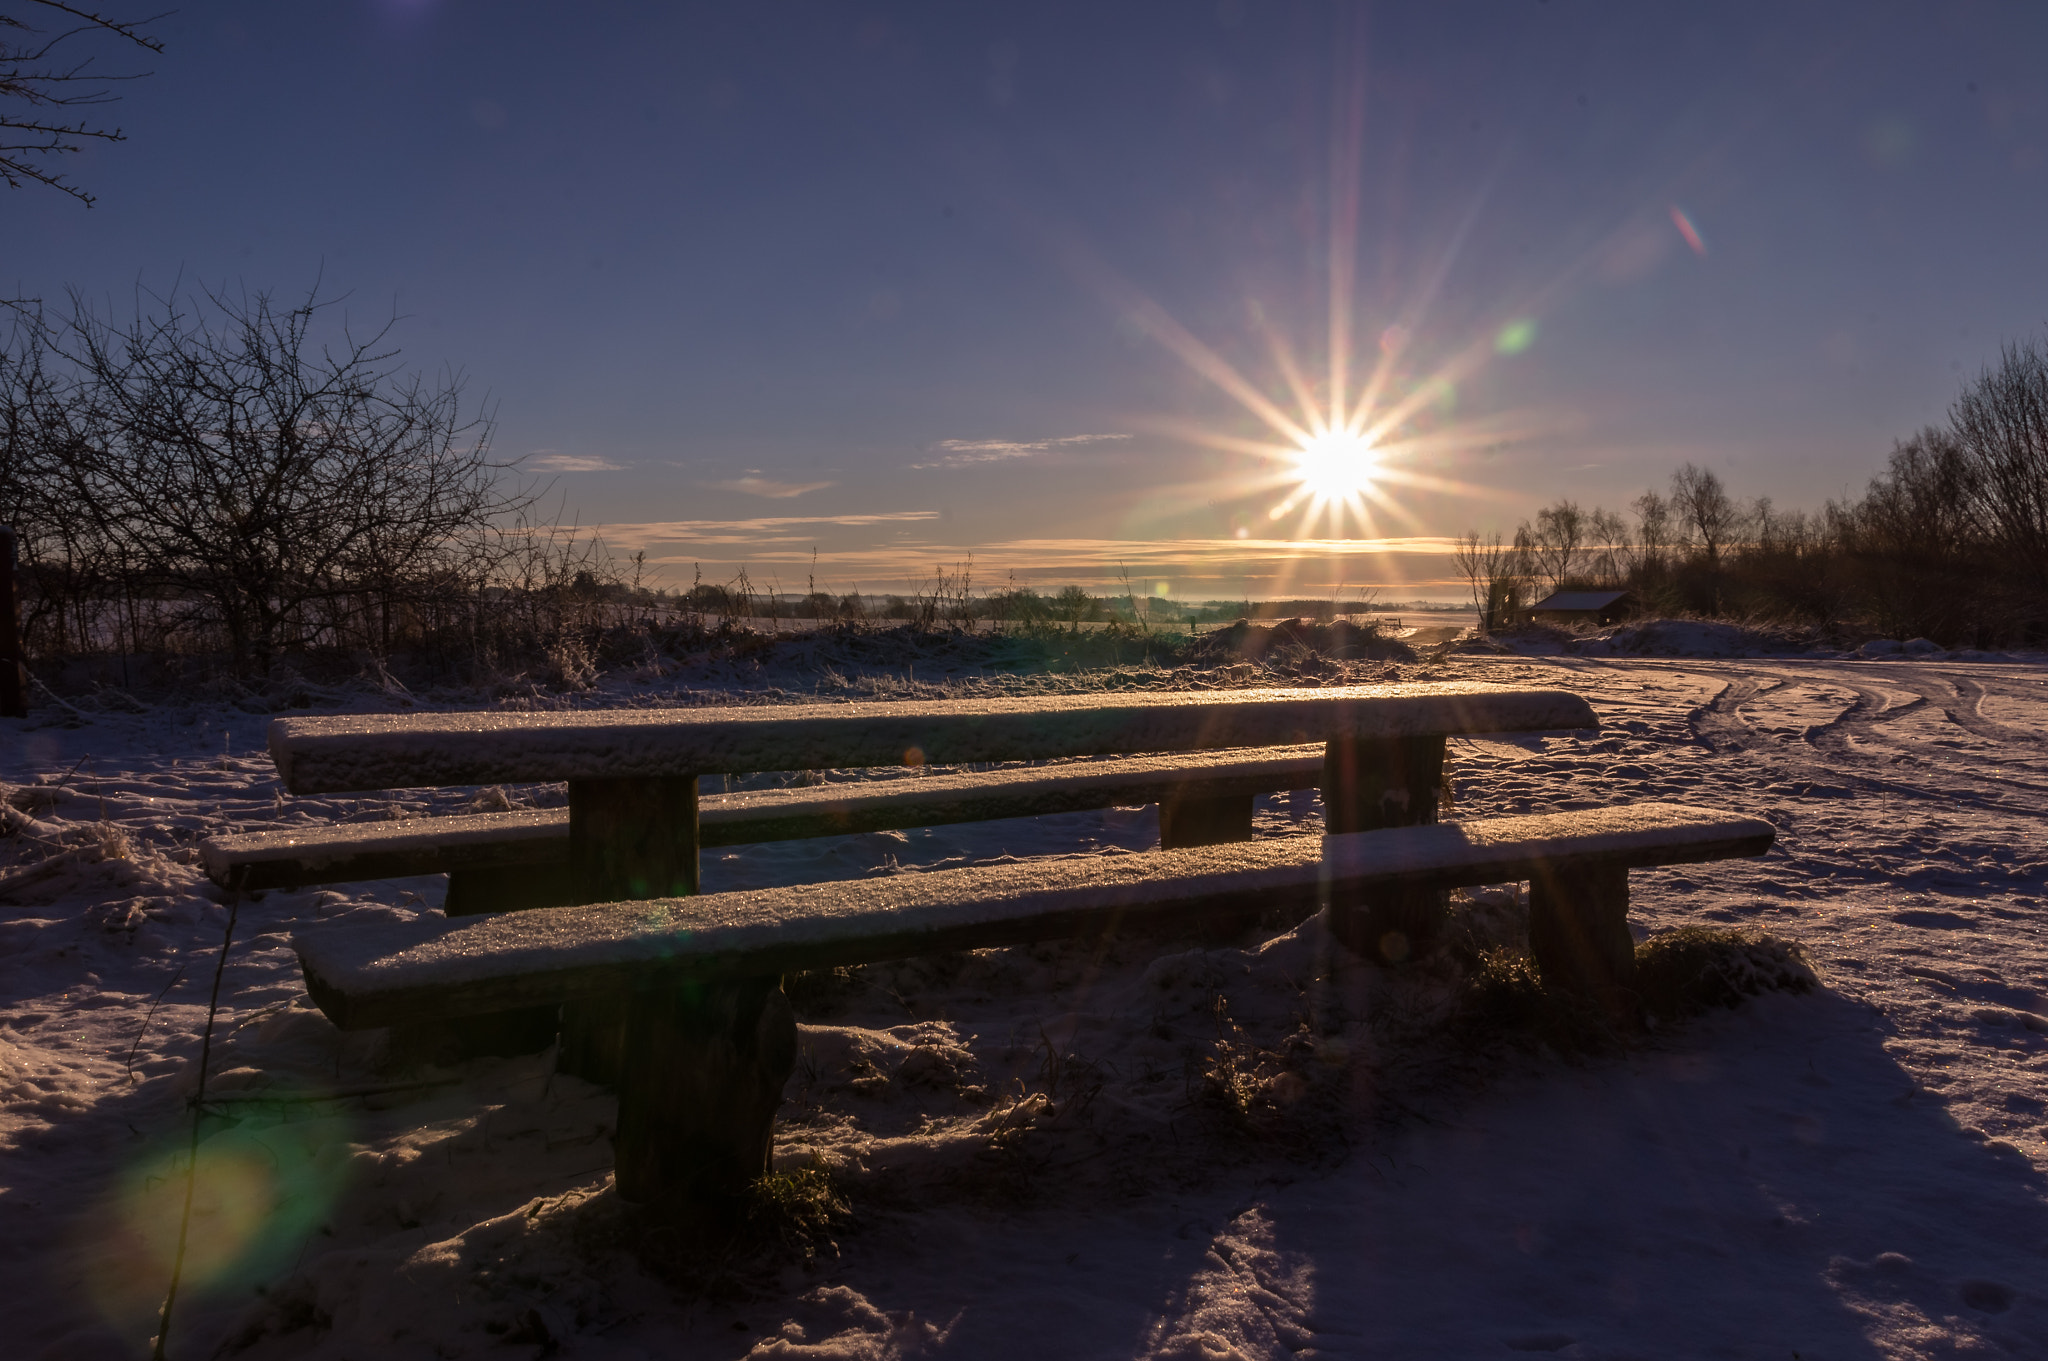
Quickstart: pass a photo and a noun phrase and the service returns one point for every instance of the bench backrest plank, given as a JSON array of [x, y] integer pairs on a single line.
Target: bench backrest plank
[[364, 976], [336, 754], [345, 852]]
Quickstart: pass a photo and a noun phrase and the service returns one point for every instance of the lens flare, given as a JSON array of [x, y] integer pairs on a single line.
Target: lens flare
[[256, 1197], [1683, 221]]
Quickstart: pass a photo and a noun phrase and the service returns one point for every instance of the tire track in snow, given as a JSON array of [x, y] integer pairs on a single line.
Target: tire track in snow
[[1968, 715], [1860, 719], [1828, 757], [1861, 736], [1718, 725]]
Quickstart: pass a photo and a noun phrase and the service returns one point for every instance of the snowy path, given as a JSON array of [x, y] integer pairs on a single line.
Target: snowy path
[[1859, 1173]]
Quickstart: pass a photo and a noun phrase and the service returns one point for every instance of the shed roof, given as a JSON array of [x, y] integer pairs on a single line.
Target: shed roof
[[1578, 600]]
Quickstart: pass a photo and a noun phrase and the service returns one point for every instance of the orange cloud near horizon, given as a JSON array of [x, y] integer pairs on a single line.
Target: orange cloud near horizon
[[1420, 566]]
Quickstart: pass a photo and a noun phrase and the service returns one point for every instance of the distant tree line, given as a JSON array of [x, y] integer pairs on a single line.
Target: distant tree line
[[1948, 542]]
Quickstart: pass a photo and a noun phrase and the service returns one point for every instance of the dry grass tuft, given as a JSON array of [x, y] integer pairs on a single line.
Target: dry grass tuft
[[1687, 971], [794, 1210], [1679, 974]]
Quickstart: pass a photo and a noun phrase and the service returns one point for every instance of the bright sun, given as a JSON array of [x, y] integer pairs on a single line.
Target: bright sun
[[1337, 465]]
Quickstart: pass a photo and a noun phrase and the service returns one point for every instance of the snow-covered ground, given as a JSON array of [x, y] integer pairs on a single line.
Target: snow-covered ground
[[1034, 1163]]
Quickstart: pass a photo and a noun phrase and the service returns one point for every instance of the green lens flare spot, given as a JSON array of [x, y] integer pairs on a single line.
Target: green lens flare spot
[[1515, 337]]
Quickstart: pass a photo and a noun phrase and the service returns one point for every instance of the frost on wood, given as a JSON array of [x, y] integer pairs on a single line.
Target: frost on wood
[[368, 977], [349, 851], [333, 754], [353, 851]]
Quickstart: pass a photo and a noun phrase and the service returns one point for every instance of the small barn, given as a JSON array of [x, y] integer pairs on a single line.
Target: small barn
[[1581, 607]]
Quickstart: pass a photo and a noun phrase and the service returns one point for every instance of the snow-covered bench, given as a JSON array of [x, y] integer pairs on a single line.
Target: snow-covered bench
[[710, 1039], [634, 822], [634, 819], [501, 861]]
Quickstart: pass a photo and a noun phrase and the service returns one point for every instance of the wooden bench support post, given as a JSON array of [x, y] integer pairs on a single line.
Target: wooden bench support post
[[703, 1075], [527, 1030], [509, 888], [628, 839], [1578, 932], [1204, 822], [1370, 783]]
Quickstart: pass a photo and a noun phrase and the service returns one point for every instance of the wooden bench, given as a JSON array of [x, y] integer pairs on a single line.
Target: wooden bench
[[634, 819], [710, 1040], [502, 861], [635, 828]]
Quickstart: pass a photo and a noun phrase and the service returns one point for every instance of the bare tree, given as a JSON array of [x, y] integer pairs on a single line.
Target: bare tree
[[1607, 542], [1497, 574], [1471, 555], [1647, 557], [46, 86], [2000, 426], [1925, 506], [221, 454], [1559, 534], [1705, 513]]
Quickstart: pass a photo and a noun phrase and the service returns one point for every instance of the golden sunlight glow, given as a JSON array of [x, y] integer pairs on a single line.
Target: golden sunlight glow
[[1337, 464], [1366, 424]]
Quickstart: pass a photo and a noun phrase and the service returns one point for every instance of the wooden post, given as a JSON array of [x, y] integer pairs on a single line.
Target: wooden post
[[1374, 782], [525, 1030], [509, 888], [704, 1070], [13, 676], [1578, 932], [1204, 822], [633, 838], [627, 839]]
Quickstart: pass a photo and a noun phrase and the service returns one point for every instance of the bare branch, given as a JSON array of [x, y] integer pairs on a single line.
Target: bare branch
[[27, 77]]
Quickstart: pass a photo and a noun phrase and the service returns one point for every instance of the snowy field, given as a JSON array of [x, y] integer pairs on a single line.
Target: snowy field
[[1033, 1163]]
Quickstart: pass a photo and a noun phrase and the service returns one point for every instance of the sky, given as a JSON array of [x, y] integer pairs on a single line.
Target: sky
[[849, 294]]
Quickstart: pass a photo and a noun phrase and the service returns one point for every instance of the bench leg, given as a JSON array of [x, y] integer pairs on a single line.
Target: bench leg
[[1375, 782], [1204, 822], [703, 1075], [627, 839], [509, 888], [503, 1034], [1578, 932]]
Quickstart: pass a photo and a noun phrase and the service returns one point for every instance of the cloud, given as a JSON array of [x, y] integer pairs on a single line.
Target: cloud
[[574, 463], [965, 453], [898, 554], [763, 486], [693, 531]]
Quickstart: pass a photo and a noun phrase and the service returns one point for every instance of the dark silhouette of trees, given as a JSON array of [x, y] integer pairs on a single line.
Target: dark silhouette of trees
[[1948, 542], [41, 87], [1559, 534], [1704, 512], [1498, 576], [213, 452], [2000, 428]]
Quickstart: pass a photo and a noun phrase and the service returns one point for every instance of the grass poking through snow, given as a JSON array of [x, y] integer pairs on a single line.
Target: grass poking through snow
[[1679, 974], [1684, 972]]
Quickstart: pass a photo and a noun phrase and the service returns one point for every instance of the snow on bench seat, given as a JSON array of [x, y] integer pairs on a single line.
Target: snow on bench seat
[[381, 974], [354, 851], [336, 754]]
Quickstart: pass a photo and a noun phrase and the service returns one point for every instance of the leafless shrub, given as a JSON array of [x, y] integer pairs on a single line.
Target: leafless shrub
[[213, 466]]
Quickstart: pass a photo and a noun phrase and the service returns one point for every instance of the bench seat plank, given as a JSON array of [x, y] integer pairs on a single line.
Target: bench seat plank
[[348, 852], [340, 753], [378, 974]]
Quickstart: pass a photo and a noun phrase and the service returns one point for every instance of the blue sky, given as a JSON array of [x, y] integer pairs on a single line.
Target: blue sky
[[902, 283]]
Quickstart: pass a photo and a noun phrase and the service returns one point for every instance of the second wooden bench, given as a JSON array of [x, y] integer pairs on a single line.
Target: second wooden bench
[[499, 862], [710, 1039]]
